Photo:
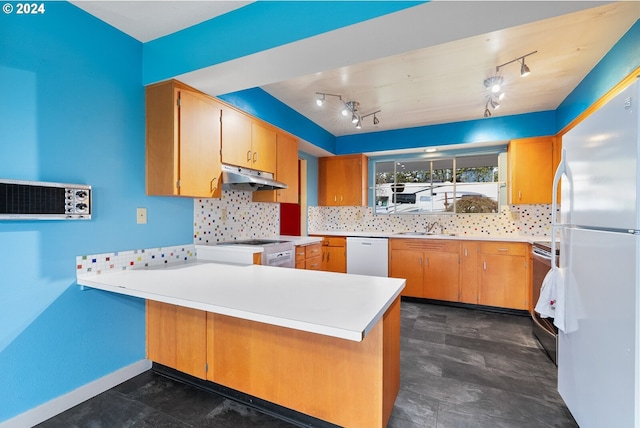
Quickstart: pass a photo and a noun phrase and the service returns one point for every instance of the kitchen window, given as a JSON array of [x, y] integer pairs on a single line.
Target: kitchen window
[[447, 185]]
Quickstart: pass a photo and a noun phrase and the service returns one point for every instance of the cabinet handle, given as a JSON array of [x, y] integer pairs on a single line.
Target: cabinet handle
[[323, 253], [420, 260], [328, 256], [212, 188], [465, 252], [341, 198], [519, 194], [335, 198], [504, 250], [249, 156], [255, 157], [484, 265], [314, 265]]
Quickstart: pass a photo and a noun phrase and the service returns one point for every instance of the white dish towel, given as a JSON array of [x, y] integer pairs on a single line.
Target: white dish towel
[[551, 303]]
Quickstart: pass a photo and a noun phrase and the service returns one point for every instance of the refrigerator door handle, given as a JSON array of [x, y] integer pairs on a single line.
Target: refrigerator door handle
[[562, 170]]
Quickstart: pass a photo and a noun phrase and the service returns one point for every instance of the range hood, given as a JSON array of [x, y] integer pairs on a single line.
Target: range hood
[[248, 180]]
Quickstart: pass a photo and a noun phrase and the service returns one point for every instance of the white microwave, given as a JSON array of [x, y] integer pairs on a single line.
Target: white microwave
[[38, 200]]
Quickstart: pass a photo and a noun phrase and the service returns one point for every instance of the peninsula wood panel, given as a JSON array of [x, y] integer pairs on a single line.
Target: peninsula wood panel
[[351, 384], [191, 341], [161, 333]]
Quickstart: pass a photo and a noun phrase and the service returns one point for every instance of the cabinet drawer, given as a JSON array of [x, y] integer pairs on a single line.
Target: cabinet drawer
[[301, 252], [504, 248], [334, 241], [314, 263], [313, 250], [440, 245]]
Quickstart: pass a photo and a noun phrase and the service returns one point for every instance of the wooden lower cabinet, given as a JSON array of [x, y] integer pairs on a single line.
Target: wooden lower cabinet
[[430, 266], [334, 254], [347, 383], [504, 275], [469, 272], [176, 337], [309, 256]]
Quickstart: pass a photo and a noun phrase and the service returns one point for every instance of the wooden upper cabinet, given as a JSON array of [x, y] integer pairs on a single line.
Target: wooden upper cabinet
[[247, 142], [286, 172], [343, 180], [530, 170], [264, 146], [183, 141]]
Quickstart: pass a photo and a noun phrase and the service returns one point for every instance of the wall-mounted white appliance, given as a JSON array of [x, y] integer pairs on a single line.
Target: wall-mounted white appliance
[[599, 337], [38, 200]]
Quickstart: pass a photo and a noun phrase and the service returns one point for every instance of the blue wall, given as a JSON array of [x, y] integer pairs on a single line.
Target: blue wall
[[72, 110]]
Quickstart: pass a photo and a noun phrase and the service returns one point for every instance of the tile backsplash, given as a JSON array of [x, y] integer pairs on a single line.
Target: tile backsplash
[[96, 264], [234, 216], [514, 220]]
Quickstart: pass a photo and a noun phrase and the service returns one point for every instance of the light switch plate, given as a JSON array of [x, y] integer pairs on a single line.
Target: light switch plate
[[141, 215]]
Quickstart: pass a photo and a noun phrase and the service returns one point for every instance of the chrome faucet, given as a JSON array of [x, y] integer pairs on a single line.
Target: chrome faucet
[[431, 225]]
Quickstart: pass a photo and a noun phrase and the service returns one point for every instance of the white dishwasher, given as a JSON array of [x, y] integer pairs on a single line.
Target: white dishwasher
[[368, 256]]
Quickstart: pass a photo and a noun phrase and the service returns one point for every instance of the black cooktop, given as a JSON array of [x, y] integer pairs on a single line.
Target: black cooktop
[[252, 242]]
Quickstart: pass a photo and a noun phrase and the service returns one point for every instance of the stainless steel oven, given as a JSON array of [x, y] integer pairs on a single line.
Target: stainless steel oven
[[543, 328], [274, 252]]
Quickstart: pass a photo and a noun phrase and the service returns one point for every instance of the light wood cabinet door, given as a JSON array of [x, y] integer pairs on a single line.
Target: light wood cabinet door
[[442, 275], [286, 172], [530, 170], [408, 264], [177, 337], [191, 341], [342, 180], [334, 259], [236, 138], [264, 148], [503, 275], [182, 141], [469, 273], [200, 166]]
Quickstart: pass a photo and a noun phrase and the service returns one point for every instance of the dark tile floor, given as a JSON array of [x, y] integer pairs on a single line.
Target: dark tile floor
[[459, 368]]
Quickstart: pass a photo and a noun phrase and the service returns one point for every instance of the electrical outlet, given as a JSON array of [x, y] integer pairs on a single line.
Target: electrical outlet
[[515, 215], [358, 215], [141, 215], [223, 215]]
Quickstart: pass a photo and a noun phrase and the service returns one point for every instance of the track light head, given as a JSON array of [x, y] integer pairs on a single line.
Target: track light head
[[524, 69], [354, 118], [320, 100], [487, 113], [494, 83], [375, 119], [494, 104], [359, 124], [345, 110]]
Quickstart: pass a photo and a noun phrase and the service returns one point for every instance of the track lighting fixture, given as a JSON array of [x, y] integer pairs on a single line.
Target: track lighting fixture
[[352, 107], [494, 83]]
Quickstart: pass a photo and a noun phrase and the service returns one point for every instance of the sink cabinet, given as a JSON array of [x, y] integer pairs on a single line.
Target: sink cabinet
[[430, 266], [469, 272], [182, 141], [343, 180]]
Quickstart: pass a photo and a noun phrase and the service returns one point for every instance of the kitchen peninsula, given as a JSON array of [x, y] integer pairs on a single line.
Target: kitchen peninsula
[[323, 344]]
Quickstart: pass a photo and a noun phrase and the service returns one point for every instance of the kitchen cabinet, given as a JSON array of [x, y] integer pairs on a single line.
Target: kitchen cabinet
[[182, 141], [503, 274], [176, 337], [334, 254], [469, 272], [286, 171], [343, 180], [430, 266], [247, 142], [530, 170], [309, 256]]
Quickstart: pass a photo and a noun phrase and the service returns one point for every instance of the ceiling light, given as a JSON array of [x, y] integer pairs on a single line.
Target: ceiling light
[[352, 107], [359, 124], [345, 111], [320, 100], [375, 119], [524, 69], [354, 118], [430, 150], [494, 83]]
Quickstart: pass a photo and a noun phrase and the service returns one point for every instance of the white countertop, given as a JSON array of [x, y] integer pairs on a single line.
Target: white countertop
[[333, 304]]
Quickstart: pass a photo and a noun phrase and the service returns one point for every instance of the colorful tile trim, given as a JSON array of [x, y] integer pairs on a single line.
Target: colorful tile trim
[[96, 264], [514, 220], [234, 216]]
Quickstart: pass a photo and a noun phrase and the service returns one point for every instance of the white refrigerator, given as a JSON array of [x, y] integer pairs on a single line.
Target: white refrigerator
[[599, 227]]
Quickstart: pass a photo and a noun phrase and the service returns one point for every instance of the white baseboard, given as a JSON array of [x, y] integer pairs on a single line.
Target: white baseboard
[[64, 402]]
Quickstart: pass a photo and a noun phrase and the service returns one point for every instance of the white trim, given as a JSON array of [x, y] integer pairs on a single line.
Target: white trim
[[58, 405]]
